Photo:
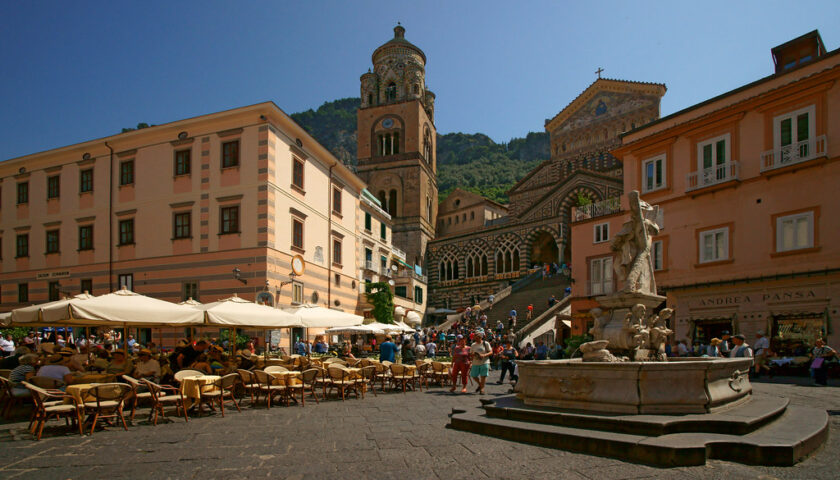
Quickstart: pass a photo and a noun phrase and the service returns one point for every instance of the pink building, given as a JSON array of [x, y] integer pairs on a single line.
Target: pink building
[[746, 183]]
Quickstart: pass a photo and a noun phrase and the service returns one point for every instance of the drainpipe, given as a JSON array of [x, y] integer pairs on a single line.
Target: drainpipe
[[329, 237], [110, 219]]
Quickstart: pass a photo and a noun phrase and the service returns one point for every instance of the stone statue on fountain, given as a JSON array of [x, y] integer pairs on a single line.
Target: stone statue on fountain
[[634, 265]]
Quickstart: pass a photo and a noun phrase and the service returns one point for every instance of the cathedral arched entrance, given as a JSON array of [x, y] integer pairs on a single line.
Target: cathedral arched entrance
[[544, 249]]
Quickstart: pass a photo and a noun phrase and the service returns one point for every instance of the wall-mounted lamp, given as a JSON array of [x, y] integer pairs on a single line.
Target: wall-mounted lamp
[[263, 118], [237, 274]]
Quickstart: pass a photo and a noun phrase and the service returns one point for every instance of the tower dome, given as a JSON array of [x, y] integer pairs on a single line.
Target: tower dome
[[398, 75], [397, 46]]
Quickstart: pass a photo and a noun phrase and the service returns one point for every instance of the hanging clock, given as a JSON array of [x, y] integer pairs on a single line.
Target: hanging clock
[[388, 123], [298, 265]]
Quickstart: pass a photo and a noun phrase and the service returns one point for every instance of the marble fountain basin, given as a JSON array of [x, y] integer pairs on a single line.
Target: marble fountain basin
[[678, 386]]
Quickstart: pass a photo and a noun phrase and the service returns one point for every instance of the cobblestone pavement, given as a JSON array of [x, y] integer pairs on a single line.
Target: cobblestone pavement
[[388, 436]]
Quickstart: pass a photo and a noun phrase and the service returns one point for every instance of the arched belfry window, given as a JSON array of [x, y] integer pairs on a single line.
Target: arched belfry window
[[416, 89], [370, 99], [448, 268], [476, 263], [391, 92], [427, 146], [507, 257], [392, 202]]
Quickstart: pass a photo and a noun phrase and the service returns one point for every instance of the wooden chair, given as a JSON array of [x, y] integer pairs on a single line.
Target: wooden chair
[[309, 381], [47, 383], [223, 391], [275, 369], [401, 376], [5, 373], [10, 396], [163, 395], [421, 375], [268, 386], [137, 393], [109, 399], [46, 409], [180, 374], [322, 379], [367, 379], [439, 373], [249, 383], [341, 381], [383, 374]]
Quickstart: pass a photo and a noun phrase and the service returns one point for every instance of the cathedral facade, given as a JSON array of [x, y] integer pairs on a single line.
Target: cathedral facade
[[465, 265]]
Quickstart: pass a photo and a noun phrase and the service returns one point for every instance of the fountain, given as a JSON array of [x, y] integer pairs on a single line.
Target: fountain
[[625, 398]]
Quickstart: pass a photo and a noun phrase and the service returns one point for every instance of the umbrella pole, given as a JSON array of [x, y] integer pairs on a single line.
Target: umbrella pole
[[125, 341], [87, 342]]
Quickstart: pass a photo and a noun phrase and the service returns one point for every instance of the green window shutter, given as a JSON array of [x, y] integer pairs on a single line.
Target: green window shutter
[[721, 152], [802, 127], [707, 156], [658, 173], [367, 221], [785, 132]]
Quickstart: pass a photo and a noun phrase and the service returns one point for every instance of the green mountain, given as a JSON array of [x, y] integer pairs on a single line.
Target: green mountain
[[473, 162]]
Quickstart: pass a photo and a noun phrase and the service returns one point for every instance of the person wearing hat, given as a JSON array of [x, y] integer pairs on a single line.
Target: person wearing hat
[[57, 366], [480, 352], [761, 346], [119, 365], [725, 343], [713, 350], [217, 361], [741, 349], [146, 366]]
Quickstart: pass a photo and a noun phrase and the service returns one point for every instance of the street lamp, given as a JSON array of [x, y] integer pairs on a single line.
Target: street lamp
[[237, 274]]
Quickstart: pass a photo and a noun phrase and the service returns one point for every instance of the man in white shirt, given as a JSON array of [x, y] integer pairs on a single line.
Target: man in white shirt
[[761, 346], [431, 349], [741, 349], [682, 350], [7, 345], [147, 367]]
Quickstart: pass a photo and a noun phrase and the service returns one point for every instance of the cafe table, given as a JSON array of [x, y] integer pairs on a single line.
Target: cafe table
[[193, 387], [79, 391]]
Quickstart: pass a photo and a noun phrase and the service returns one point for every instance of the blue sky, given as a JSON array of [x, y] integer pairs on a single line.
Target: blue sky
[[75, 71]]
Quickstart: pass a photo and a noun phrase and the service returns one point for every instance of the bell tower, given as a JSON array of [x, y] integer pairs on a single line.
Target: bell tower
[[396, 143]]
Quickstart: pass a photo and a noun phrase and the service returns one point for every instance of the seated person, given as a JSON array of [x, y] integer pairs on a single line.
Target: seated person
[[320, 346], [202, 364], [57, 367], [347, 353], [119, 365], [101, 360], [12, 361], [23, 373], [408, 356], [79, 360], [217, 360], [147, 367], [244, 360]]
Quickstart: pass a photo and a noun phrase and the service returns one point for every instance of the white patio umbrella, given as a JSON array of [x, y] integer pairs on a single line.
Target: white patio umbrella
[[237, 312], [388, 328], [315, 316], [405, 328], [363, 329], [33, 314], [190, 302], [122, 308]]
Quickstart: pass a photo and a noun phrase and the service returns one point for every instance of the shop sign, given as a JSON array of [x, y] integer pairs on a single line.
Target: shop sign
[[46, 275], [735, 300]]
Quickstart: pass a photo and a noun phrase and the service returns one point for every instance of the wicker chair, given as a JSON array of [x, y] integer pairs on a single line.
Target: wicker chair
[[421, 375], [439, 373], [163, 395], [309, 381], [268, 386], [10, 397], [367, 378], [47, 383], [137, 393], [401, 376], [222, 392], [109, 399], [249, 383], [46, 409], [383, 374], [341, 381]]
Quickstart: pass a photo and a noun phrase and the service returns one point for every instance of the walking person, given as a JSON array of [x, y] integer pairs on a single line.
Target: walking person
[[819, 366], [509, 356], [761, 346], [480, 352], [460, 363]]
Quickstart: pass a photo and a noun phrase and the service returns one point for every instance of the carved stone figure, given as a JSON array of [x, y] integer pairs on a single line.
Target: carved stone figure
[[659, 333], [596, 351], [633, 245]]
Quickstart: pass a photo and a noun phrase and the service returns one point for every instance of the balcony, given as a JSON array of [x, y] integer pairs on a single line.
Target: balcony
[[597, 209], [794, 153], [396, 252], [406, 273], [385, 272], [369, 266], [707, 177]]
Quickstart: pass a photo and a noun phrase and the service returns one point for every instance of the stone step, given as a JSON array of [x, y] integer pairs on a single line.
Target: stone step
[[736, 420], [786, 440]]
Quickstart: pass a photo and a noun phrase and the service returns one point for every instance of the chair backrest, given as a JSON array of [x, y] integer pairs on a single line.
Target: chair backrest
[[38, 394], [46, 382], [417, 363], [246, 376], [153, 387], [115, 392], [387, 363], [263, 377], [227, 382], [397, 369], [132, 381], [438, 367], [181, 374], [364, 362], [5, 372], [368, 373], [337, 372], [275, 369], [309, 376]]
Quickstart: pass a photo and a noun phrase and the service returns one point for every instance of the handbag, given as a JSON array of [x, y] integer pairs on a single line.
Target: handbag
[[818, 362]]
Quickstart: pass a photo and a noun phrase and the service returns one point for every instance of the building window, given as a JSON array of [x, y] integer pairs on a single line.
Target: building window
[[127, 231], [23, 292], [507, 257], [392, 203], [86, 181], [53, 293], [383, 231], [52, 241], [336, 252], [653, 174], [792, 135], [189, 290], [714, 245], [297, 233], [297, 292], [127, 172], [658, 255], [337, 279], [297, 173], [127, 281], [418, 295], [391, 92], [600, 274], [472, 215], [86, 286], [22, 246], [86, 237], [448, 268], [602, 232], [401, 291], [369, 259], [182, 162], [22, 193], [181, 225], [711, 155], [336, 206], [53, 187], [229, 220], [230, 154], [795, 232], [368, 222]]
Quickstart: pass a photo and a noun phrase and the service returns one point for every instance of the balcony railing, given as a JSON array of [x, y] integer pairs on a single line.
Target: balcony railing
[[385, 272], [398, 253], [406, 273], [600, 288], [794, 153], [598, 209], [712, 176], [369, 265]]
